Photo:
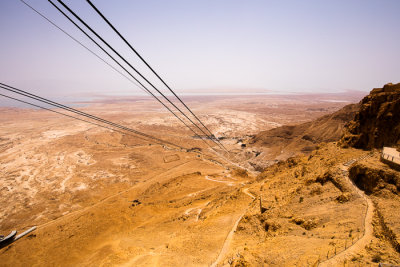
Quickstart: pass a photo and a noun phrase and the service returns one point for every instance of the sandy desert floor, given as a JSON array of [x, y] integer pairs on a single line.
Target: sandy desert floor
[[104, 198]]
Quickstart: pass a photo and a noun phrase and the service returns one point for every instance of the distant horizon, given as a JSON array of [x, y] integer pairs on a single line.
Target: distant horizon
[[348, 96], [233, 92]]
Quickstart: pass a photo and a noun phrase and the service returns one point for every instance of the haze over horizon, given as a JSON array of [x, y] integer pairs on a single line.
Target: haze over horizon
[[207, 46]]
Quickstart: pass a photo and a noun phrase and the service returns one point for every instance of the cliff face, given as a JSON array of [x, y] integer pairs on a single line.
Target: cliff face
[[377, 123]]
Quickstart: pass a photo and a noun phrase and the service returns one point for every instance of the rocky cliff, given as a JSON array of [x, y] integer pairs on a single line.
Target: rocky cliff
[[374, 176], [377, 123]]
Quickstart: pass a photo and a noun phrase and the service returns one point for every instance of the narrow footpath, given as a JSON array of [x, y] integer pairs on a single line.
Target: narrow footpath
[[360, 244], [228, 240]]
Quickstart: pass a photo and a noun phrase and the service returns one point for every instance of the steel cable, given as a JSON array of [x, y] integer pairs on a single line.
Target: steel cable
[[110, 47], [76, 118], [155, 73], [55, 104], [83, 31]]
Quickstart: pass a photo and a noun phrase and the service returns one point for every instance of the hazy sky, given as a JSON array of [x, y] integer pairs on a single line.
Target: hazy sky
[[207, 45]]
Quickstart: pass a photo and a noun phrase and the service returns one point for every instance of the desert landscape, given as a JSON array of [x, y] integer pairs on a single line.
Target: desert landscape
[[104, 198], [199, 133]]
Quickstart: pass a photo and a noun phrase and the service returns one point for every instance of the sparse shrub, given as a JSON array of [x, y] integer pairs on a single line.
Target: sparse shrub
[[309, 224], [316, 190], [271, 226], [376, 258], [292, 162], [345, 197], [240, 261], [297, 221], [351, 233], [301, 199], [240, 173]]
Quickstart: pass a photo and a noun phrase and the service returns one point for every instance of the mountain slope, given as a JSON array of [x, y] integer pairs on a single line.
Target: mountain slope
[[306, 136]]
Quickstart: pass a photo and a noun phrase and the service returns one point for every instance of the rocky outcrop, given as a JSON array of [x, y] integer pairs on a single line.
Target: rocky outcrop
[[375, 179], [377, 123]]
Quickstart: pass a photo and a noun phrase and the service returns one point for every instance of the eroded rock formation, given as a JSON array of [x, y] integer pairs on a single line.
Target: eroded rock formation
[[377, 123], [374, 178]]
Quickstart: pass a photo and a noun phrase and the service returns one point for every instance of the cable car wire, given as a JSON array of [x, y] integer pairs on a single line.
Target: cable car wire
[[50, 102], [73, 117], [145, 62], [110, 47], [148, 91]]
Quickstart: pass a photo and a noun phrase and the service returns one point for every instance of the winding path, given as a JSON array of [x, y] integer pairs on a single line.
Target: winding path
[[229, 237], [246, 191], [368, 229]]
